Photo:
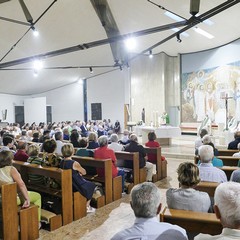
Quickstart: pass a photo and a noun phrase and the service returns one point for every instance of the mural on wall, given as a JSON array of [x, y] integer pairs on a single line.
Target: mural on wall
[[204, 93]]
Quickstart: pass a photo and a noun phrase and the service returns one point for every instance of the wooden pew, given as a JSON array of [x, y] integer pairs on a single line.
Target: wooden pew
[[65, 193], [226, 152], [227, 160], [11, 216], [192, 222], [208, 187], [160, 165], [228, 170], [133, 156], [113, 186]]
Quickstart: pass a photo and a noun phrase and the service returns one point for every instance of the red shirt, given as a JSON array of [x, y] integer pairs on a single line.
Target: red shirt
[[151, 156], [21, 155], [105, 153]]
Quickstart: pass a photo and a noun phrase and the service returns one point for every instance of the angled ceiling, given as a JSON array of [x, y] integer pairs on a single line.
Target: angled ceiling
[[76, 24]]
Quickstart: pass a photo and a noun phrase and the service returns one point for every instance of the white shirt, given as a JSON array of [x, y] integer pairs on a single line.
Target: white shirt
[[198, 143], [236, 154], [209, 173], [146, 228], [188, 199], [115, 146], [227, 234], [59, 147]]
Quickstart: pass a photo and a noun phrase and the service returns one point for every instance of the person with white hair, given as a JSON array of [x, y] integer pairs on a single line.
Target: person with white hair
[[114, 145], [227, 210], [237, 154], [235, 176], [208, 172], [146, 205], [134, 146]]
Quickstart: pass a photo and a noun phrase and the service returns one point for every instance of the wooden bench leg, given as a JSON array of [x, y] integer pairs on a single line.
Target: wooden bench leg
[[54, 221], [79, 206], [154, 178], [142, 175], [117, 188], [164, 169], [29, 223]]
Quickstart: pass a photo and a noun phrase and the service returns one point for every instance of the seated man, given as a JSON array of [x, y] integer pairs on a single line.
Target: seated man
[[209, 173], [227, 205], [134, 146], [235, 142], [198, 141], [145, 202]]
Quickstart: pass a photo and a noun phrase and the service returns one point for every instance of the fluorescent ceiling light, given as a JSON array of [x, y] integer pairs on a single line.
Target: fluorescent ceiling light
[[37, 65], [202, 32], [182, 34], [174, 16]]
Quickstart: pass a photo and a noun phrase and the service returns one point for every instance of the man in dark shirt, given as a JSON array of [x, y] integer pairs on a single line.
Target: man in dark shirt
[[134, 146], [234, 144]]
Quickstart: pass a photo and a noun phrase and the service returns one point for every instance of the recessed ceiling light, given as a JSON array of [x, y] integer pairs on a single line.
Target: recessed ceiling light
[[202, 32]]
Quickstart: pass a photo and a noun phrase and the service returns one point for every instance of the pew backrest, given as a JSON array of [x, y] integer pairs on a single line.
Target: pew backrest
[[193, 222], [208, 187], [63, 176]]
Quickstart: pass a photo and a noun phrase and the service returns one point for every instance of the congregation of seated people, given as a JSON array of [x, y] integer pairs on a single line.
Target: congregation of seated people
[[58, 141]]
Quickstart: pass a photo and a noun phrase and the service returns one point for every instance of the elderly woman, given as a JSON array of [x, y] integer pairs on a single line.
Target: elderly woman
[[103, 152], [92, 141], [115, 146], [134, 146], [186, 197]]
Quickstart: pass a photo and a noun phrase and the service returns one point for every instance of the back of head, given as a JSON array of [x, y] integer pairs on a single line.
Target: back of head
[[203, 132], [22, 145], [58, 136], [145, 200], [49, 145], [133, 138], [67, 150], [206, 153], [206, 139], [152, 136], [103, 141], [6, 158], [83, 142], [238, 146], [6, 140], [227, 199], [171, 234], [33, 150], [114, 137], [188, 174], [92, 136], [235, 177]]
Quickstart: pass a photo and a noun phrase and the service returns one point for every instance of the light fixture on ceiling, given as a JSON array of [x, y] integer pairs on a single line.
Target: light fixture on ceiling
[[194, 6], [178, 38], [150, 54], [37, 65], [35, 31], [91, 70], [204, 33], [185, 34], [130, 43]]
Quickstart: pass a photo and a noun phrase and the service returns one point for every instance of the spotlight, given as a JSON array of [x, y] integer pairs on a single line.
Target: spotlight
[[150, 54], [91, 70], [194, 6], [178, 38]]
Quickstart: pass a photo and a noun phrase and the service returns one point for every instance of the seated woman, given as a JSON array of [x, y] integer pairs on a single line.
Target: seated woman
[[84, 152], [103, 152], [21, 154], [92, 141], [33, 152], [74, 138], [81, 185], [9, 174], [153, 144], [186, 197]]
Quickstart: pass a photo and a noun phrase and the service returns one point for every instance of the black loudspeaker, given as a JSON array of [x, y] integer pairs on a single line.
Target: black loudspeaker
[[194, 6]]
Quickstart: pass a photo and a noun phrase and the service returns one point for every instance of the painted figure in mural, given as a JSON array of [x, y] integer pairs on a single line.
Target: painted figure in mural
[[210, 94], [237, 100], [199, 99]]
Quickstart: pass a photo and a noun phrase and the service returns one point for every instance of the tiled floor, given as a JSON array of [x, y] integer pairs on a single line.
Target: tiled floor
[[108, 220]]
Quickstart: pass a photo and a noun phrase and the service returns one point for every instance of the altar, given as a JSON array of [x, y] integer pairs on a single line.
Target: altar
[[163, 133]]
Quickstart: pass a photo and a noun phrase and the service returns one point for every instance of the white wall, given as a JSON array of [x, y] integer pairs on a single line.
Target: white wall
[[9, 102], [35, 110], [66, 102], [108, 89]]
